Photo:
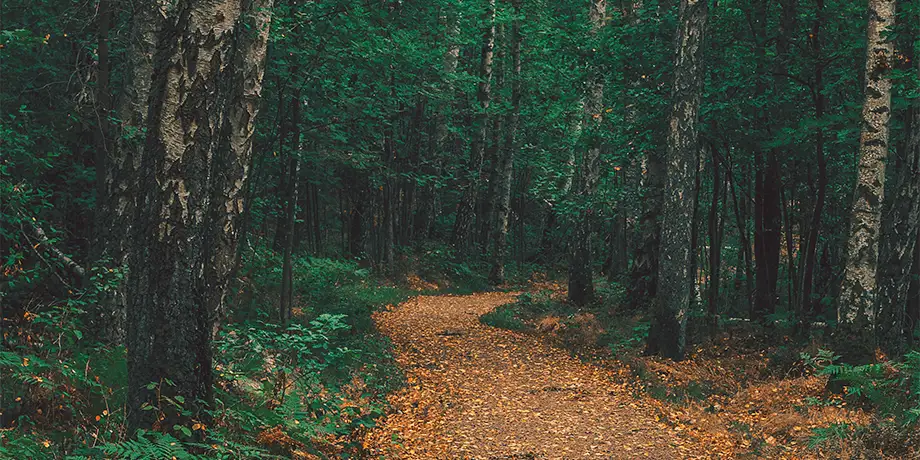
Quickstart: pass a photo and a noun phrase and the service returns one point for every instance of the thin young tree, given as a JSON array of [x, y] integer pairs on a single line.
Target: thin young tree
[[581, 283], [505, 157]]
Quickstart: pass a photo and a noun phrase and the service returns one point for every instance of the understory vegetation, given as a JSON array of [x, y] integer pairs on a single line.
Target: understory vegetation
[[306, 390], [307, 387]]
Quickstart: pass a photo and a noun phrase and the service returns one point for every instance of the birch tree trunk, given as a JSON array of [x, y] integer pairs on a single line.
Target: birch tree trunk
[[207, 80], [119, 160], [668, 333], [505, 159], [856, 305], [581, 284]]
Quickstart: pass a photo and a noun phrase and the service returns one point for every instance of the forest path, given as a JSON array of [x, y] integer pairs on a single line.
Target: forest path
[[485, 393]]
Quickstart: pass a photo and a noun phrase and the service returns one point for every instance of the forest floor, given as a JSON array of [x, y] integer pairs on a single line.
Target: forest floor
[[476, 391]]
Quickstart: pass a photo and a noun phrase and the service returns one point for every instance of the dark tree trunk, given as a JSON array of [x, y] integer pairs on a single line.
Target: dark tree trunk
[[286, 301], [643, 278], [206, 85], [496, 153], [767, 204], [581, 255], [913, 297], [715, 246], [284, 185], [808, 308], [287, 268], [466, 209], [898, 239], [619, 253], [668, 333]]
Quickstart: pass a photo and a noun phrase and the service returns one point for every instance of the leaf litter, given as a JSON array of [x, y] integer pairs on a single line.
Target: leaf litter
[[477, 392]]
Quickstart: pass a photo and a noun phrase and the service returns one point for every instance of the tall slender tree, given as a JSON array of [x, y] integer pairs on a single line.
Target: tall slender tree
[[581, 283], [466, 209], [668, 333], [505, 158], [856, 316]]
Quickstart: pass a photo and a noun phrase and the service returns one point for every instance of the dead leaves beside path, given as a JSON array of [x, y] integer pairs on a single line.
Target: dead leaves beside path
[[479, 392]]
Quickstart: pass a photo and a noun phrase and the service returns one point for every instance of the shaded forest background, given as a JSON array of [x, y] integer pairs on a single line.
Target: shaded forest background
[[696, 165]]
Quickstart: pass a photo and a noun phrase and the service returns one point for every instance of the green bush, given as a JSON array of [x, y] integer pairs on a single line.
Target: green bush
[[504, 317]]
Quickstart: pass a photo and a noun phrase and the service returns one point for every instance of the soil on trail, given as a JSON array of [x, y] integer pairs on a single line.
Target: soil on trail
[[480, 392]]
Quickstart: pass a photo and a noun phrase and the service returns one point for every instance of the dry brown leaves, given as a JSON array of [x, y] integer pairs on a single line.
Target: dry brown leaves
[[479, 392], [773, 416]]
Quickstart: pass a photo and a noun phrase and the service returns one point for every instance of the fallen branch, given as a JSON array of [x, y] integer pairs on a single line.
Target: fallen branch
[[74, 268]]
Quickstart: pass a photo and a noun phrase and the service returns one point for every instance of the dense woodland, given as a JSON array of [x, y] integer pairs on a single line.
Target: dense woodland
[[204, 202]]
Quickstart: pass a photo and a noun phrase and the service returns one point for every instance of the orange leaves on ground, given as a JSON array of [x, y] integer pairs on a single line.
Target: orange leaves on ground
[[479, 392]]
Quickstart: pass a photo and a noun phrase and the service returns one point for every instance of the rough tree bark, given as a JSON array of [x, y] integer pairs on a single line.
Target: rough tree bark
[[856, 303], [505, 158], [119, 158], [207, 80], [668, 333], [898, 240], [581, 283]]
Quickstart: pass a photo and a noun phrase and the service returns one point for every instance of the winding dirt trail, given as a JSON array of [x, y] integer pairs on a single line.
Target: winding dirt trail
[[476, 392]]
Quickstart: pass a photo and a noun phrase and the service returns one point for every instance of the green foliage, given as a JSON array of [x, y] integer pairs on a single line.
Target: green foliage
[[620, 340], [149, 445], [505, 317], [892, 387], [832, 433]]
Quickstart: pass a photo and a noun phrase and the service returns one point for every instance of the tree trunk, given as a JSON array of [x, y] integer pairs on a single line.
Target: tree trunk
[[496, 152], [913, 296], [443, 141], [856, 308], [285, 186], [767, 204], [207, 81], [643, 278], [581, 283], [619, 252], [286, 301], [117, 161], [287, 268], [466, 209], [505, 167], [715, 246], [668, 334], [898, 239], [810, 251]]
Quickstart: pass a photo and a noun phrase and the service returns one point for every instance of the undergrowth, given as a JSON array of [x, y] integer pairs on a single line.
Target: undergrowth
[[306, 390]]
